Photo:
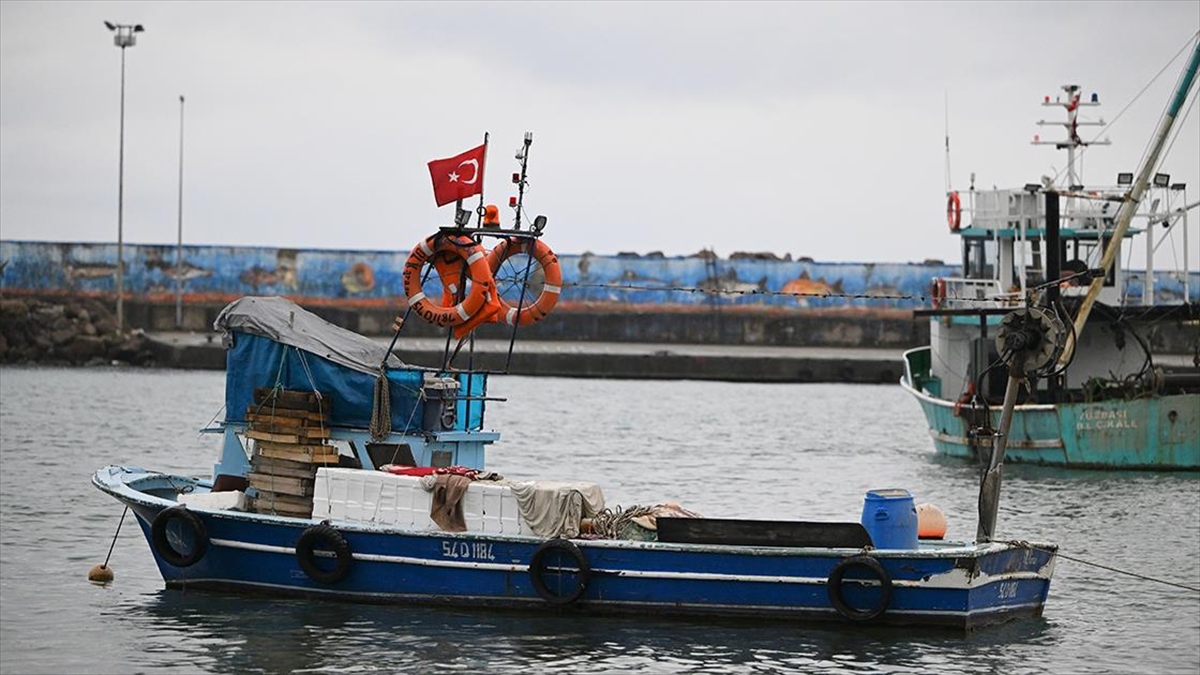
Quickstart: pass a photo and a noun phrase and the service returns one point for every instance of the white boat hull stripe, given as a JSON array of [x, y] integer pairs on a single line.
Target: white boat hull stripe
[[636, 574]]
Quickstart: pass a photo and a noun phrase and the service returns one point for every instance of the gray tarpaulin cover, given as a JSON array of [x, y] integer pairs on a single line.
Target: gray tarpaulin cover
[[554, 508], [284, 321]]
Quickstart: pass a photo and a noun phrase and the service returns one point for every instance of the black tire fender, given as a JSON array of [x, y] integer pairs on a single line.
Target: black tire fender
[[327, 537], [162, 544], [539, 565], [834, 586]]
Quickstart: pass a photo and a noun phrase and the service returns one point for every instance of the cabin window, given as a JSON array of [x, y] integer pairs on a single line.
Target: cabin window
[[1034, 263], [979, 257], [390, 453]]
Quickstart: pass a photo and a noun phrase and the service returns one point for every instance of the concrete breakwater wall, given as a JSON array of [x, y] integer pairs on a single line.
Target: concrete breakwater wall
[[81, 331], [893, 329]]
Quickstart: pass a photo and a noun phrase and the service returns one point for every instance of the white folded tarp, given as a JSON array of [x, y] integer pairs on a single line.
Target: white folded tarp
[[555, 508]]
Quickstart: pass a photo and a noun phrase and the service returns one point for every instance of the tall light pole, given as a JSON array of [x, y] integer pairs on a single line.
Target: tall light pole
[[179, 243], [125, 37]]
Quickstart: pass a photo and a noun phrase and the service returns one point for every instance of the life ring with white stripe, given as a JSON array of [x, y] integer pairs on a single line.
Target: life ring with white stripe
[[535, 310], [937, 292], [953, 211], [482, 284]]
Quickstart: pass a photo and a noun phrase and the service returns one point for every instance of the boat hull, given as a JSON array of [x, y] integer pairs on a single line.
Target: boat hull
[[1159, 433], [945, 584]]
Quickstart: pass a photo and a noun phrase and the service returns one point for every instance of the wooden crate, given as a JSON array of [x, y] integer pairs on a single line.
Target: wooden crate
[[290, 430], [282, 505], [281, 485]]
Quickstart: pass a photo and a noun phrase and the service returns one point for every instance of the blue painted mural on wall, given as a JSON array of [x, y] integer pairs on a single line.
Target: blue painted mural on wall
[[374, 277]]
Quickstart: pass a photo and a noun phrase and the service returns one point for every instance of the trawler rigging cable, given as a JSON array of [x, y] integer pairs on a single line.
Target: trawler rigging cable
[[1027, 545]]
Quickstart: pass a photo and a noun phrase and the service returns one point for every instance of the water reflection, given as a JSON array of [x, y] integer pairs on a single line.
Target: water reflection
[[228, 633]]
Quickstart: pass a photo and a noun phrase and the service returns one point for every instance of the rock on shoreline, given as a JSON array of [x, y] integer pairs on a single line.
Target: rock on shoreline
[[75, 331]]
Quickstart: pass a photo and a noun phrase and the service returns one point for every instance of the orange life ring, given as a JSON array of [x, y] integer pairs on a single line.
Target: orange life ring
[[937, 292], [953, 211], [483, 286], [531, 312]]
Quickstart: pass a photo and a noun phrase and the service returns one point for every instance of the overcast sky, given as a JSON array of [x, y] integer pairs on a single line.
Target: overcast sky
[[809, 128]]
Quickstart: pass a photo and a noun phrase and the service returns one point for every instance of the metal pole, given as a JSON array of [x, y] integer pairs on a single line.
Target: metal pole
[[121, 207], [179, 241], [989, 497], [1187, 271], [1148, 277]]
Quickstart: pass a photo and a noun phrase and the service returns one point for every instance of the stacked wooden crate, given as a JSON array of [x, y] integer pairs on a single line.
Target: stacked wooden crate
[[290, 430]]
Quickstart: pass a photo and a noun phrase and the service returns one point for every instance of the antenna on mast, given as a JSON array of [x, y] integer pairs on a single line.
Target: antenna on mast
[[947, 124], [1074, 102]]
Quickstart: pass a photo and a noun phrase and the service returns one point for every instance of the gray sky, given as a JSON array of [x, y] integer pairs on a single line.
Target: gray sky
[[810, 128]]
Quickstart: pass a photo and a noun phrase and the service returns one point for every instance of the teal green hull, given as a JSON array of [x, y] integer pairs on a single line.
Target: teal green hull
[[1161, 433]]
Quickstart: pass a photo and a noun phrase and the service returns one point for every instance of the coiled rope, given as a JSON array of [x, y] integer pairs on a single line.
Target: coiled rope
[[381, 408], [611, 523]]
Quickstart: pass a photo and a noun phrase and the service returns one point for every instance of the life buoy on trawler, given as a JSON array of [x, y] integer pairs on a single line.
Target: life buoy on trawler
[[953, 211], [483, 286], [937, 292], [531, 310]]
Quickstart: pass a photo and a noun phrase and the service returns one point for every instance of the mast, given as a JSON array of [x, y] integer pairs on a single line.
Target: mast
[[1073, 103], [1133, 197]]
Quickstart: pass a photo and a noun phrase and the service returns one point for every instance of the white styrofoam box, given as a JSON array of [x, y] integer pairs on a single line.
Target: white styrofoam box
[[225, 501], [363, 496]]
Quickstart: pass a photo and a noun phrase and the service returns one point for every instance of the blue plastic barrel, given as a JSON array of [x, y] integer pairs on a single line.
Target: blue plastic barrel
[[890, 517]]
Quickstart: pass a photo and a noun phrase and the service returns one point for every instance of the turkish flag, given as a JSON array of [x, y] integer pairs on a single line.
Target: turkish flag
[[458, 177]]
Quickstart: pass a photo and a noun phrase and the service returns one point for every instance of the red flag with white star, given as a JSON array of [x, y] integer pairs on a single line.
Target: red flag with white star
[[458, 177]]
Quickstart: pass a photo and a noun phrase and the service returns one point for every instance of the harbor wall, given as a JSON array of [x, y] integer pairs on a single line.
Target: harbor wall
[[751, 299], [365, 278]]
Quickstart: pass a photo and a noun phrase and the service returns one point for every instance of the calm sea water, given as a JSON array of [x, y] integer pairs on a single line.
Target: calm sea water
[[725, 450]]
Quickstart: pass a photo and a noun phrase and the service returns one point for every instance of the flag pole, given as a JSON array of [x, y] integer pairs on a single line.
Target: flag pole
[[479, 211]]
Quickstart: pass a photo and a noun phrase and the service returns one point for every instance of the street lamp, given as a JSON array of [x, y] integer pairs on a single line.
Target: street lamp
[[179, 243], [124, 37]]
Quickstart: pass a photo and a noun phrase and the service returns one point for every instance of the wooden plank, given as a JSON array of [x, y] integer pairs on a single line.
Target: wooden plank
[[302, 434], [317, 448], [258, 418], [274, 438], [313, 454], [296, 400], [282, 505], [280, 485], [733, 532], [260, 410], [283, 467]]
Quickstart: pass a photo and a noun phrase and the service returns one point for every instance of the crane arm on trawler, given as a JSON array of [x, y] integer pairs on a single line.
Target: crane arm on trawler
[[1030, 341], [1134, 196]]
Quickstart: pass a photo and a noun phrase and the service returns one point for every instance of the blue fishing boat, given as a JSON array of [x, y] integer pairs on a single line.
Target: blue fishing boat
[[363, 539], [1131, 396], [345, 473]]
